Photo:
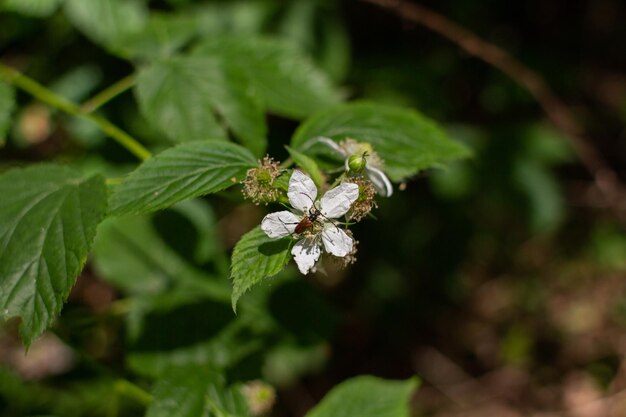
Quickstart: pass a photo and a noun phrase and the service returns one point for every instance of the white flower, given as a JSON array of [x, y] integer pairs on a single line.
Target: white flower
[[373, 167], [323, 232]]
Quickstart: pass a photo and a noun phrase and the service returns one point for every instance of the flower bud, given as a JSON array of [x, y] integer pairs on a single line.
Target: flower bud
[[356, 163]]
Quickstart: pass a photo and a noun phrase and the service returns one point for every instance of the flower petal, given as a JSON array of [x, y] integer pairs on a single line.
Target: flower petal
[[306, 252], [337, 201], [336, 241], [279, 224], [380, 181], [302, 192], [333, 145]]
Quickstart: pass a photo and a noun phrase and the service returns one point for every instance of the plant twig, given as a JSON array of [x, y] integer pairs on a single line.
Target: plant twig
[[49, 97], [108, 94], [558, 113]]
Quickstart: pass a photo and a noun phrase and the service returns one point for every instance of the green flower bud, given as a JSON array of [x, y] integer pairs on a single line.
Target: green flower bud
[[356, 163]]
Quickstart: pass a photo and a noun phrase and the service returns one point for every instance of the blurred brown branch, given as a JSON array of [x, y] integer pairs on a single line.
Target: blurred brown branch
[[557, 111]]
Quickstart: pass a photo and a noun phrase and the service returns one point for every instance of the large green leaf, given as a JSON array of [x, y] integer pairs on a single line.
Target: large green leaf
[[36, 8], [284, 77], [406, 140], [184, 171], [194, 391], [367, 396], [48, 220], [7, 104], [255, 258], [107, 21], [189, 98]]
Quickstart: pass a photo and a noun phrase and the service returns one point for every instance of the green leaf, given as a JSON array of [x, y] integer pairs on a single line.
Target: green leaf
[[287, 80], [192, 392], [35, 8], [7, 105], [255, 258], [184, 171], [406, 140], [186, 97], [307, 164], [106, 21], [48, 221], [163, 35], [367, 396]]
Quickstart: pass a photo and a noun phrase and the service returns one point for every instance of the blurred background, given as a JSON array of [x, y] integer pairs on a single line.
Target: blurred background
[[499, 281]]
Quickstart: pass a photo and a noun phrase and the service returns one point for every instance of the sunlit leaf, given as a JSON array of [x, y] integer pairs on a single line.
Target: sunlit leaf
[[106, 21], [367, 396], [184, 171], [190, 98], [406, 140], [46, 231], [286, 80], [255, 258]]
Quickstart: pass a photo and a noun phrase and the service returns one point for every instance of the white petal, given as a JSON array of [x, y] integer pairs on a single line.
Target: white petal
[[380, 181], [332, 144], [337, 201], [302, 192], [279, 224], [336, 241], [306, 252]]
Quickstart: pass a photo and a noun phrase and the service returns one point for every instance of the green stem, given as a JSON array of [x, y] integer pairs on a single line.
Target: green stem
[[286, 163], [108, 94], [52, 99]]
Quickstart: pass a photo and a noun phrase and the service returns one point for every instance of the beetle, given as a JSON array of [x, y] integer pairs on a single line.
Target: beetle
[[307, 221]]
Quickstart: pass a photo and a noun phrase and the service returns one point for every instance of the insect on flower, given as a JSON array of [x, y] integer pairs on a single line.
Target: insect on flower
[[311, 225]]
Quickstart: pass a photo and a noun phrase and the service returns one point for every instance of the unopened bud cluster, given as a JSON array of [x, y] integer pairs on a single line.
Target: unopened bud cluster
[[258, 185]]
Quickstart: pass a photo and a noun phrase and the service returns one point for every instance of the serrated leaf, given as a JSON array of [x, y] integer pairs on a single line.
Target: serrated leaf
[[187, 96], [367, 396], [288, 82], [194, 391], [308, 165], [184, 171], [255, 258], [406, 140], [48, 220], [35, 8], [106, 21], [7, 105]]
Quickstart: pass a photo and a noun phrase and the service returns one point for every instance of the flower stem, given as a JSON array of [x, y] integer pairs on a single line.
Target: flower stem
[[128, 389], [49, 97], [108, 94]]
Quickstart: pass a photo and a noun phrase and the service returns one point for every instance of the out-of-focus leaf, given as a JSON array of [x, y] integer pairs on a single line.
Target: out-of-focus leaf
[[7, 105], [286, 80], [184, 171], [202, 216], [234, 16], [286, 363], [46, 230], [181, 328], [367, 396], [406, 140], [35, 8], [131, 255], [77, 83], [194, 391], [546, 208], [255, 258], [163, 35], [107, 21], [185, 96], [308, 165]]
